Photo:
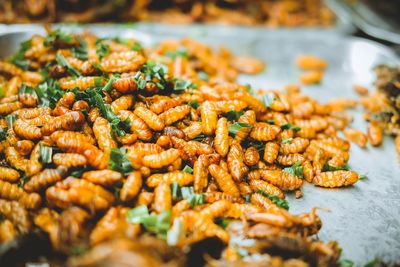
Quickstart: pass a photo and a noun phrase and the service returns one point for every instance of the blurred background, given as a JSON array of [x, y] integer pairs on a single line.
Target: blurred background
[[371, 18]]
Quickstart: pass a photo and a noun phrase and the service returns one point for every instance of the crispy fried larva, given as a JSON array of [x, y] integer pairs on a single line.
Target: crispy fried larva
[[224, 180], [266, 187], [161, 159], [15, 159], [264, 132], [125, 84], [193, 130], [290, 159], [68, 121], [271, 152], [356, 136], [161, 104], [13, 192], [216, 209], [375, 134], [74, 142], [102, 132], [200, 173], [103, 177], [221, 141], [131, 186], [8, 174], [209, 117], [34, 166], [45, 179], [26, 131], [251, 156], [69, 160], [281, 179], [10, 69], [311, 77], [235, 161], [175, 114], [253, 102], [180, 177], [150, 118], [82, 83], [308, 62], [308, 171], [17, 214], [297, 145], [229, 105], [138, 126], [162, 197], [125, 102], [24, 147], [7, 231], [121, 65], [335, 179]]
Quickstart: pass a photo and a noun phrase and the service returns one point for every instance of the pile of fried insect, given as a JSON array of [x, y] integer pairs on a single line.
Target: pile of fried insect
[[122, 141]]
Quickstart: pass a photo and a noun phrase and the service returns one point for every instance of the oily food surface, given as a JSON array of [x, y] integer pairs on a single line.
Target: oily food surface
[[101, 138]]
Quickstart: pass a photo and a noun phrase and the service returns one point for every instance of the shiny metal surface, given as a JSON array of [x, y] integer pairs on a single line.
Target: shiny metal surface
[[365, 218]]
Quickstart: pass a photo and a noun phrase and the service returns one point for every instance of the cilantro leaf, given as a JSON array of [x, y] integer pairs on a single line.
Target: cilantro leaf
[[233, 115], [3, 133], [46, 154], [287, 141], [187, 169], [182, 84], [58, 36], [328, 168], [234, 128], [80, 51], [267, 99], [193, 104], [282, 203], [363, 177], [63, 62], [288, 126], [295, 169], [119, 161], [346, 263], [102, 49], [152, 72], [10, 120], [18, 58], [221, 221], [157, 224], [49, 93]]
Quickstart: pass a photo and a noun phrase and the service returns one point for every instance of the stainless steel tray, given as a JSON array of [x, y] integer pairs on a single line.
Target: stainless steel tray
[[367, 19], [363, 218]]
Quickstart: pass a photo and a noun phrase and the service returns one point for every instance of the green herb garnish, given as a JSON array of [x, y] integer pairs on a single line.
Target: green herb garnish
[[295, 169], [46, 154], [287, 141], [233, 115], [188, 169], [282, 203], [119, 161], [329, 168], [288, 126], [267, 99], [221, 221], [63, 62], [235, 128]]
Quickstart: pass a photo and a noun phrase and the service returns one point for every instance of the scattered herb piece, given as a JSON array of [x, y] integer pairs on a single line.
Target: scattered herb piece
[[58, 36], [193, 104], [188, 169], [221, 221], [267, 99], [234, 115], [329, 168], [175, 233], [182, 84], [102, 49], [288, 126], [282, 203], [287, 141], [63, 62], [157, 224], [80, 51], [77, 173], [270, 122], [295, 169], [234, 128], [187, 192], [119, 161], [373, 263], [3, 133], [18, 58], [46, 154], [49, 93], [346, 263], [10, 120], [152, 72], [200, 137], [179, 52], [363, 177]]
